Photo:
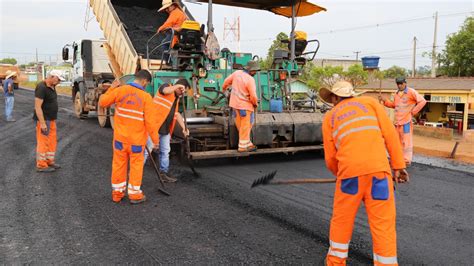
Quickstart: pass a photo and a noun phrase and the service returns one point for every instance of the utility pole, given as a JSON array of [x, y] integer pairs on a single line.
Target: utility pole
[[357, 55], [433, 54], [413, 70]]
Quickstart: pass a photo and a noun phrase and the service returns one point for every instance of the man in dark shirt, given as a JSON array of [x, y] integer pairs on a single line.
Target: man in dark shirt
[[45, 115]]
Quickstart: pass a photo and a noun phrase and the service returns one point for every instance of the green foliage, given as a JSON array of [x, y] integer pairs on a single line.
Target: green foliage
[[395, 72], [8, 61], [457, 59], [276, 45], [319, 77]]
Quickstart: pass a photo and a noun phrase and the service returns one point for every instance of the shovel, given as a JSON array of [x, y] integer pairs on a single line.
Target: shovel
[[268, 180], [158, 175]]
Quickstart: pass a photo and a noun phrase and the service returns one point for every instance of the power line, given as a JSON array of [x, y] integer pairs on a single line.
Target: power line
[[367, 26]]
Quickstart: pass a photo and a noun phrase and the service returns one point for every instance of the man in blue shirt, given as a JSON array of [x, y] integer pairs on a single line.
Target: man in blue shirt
[[9, 95]]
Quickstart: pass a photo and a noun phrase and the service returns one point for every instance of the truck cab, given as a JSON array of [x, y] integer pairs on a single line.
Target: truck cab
[[91, 72]]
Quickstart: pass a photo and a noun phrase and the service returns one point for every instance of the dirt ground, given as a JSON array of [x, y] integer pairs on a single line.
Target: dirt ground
[[443, 148]]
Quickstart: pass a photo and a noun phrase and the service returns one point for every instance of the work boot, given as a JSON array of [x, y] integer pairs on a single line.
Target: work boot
[[167, 178], [117, 196], [55, 166], [138, 201], [45, 169], [248, 149], [11, 120]]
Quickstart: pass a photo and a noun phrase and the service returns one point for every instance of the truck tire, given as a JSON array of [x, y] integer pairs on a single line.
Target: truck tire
[[103, 117], [78, 110]]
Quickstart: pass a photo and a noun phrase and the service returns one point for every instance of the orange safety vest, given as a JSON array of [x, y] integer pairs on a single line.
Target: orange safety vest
[[164, 104], [244, 92], [406, 105], [357, 133], [134, 114], [175, 20]]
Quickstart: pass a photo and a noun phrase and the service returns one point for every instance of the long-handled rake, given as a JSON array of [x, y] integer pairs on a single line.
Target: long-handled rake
[[158, 175], [268, 180], [186, 139]]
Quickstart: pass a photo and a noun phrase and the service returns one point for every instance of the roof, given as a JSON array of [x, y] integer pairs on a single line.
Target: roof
[[430, 84]]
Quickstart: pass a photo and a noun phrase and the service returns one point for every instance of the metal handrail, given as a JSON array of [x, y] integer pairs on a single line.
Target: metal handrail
[[315, 51], [148, 53]]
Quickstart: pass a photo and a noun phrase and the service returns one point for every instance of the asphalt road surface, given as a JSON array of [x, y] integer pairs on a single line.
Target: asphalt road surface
[[68, 216]]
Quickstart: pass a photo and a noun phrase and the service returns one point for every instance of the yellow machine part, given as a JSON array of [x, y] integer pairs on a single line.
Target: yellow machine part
[[301, 35], [191, 25]]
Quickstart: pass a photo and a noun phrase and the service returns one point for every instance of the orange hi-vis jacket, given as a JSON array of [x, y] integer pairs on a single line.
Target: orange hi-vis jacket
[[406, 106], [357, 134], [134, 117], [175, 20], [244, 92], [163, 105]]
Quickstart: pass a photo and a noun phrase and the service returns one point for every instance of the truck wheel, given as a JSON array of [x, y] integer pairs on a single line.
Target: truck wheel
[[78, 110], [103, 116]]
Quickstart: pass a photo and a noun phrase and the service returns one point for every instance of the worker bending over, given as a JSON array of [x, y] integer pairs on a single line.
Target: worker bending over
[[243, 101], [407, 103], [357, 134], [167, 104], [134, 121]]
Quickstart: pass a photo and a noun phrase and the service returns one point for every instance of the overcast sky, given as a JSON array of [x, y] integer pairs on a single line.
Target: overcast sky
[[346, 27]]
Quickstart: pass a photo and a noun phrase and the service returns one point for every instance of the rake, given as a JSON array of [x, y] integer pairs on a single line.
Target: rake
[[268, 180]]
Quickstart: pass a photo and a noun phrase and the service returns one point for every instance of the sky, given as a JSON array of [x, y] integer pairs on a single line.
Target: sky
[[381, 28]]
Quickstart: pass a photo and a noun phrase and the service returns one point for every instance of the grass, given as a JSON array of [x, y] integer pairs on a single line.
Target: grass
[[63, 90]]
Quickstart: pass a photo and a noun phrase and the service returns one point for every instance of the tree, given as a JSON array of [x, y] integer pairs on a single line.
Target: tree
[[8, 61], [395, 72], [457, 59], [276, 45], [356, 75]]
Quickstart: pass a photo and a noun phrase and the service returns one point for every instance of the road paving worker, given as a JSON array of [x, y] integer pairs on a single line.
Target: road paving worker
[[407, 103], [9, 94], [176, 17], [134, 121], [357, 134], [167, 104], [243, 101], [45, 115]]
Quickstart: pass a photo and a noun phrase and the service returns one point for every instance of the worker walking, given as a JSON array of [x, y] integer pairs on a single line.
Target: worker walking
[[45, 115], [243, 101], [167, 102], [357, 134], [9, 94], [407, 103], [133, 122]]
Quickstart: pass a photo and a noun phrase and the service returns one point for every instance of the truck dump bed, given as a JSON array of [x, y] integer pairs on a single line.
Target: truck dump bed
[[127, 26]]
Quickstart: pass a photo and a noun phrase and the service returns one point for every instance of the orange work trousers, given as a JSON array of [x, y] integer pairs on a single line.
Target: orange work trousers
[[46, 143], [377, 193], [243, 121], [405, 132], [123, 155]]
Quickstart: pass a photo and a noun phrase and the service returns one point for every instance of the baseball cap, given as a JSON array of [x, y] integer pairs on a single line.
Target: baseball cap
[[57, 73]]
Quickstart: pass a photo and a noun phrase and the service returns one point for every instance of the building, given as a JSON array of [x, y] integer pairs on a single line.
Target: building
[[344, 63], [453, 96]]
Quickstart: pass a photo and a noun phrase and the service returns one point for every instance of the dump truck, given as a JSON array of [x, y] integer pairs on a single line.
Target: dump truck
[[280, 125]]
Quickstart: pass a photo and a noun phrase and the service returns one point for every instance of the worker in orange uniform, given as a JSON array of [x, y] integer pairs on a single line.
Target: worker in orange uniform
[[134, 121], [243, 100], [176, 17], [167, 105], [45, 115], [407, 103], [357, 134]]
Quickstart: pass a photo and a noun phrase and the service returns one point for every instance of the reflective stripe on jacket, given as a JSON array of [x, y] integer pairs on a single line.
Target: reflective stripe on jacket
[[164, 104], [134, 117], [357, 134], [244, 92], [406, 106]]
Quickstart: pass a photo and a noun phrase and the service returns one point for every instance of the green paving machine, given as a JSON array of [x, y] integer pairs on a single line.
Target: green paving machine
[[282, 124]]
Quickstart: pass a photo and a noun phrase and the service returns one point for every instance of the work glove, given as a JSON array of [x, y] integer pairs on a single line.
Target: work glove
[[401, 176]]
